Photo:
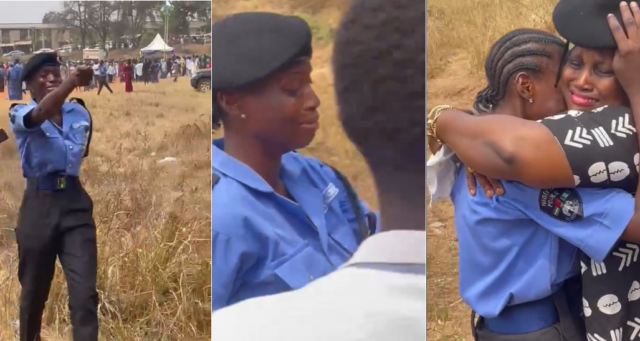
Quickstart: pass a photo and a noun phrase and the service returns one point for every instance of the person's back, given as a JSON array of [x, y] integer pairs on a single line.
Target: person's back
[[394, 302], [503, 253]]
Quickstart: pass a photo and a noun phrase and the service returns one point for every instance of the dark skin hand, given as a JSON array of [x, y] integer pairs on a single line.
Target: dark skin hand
[[490, 187], [50, 92], [626, 64]]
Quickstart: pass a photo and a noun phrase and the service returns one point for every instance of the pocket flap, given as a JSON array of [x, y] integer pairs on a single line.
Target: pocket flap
[[303, 266]]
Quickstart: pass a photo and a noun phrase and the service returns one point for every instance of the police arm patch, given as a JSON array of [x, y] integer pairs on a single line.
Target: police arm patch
[[13, 109], [563, 204]]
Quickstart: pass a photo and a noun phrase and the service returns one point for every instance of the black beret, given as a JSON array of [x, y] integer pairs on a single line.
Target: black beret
[[37, 62], [248, 47], [584, 22]]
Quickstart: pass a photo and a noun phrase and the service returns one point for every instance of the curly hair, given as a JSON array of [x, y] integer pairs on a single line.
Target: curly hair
[[216, 113], [379, 67]]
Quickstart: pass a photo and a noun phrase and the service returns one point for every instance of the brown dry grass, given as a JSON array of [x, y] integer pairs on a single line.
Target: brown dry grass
[[459, 35], [153, 219]]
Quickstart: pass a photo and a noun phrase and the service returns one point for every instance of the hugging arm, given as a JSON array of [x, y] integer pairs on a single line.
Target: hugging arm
[[596, 149], [506, 147]]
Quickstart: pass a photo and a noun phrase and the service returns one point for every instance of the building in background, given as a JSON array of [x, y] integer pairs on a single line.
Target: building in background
[[29, 37]]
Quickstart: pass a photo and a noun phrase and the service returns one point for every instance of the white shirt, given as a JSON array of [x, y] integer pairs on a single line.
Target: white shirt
[[350, 304], [138, 69], [96, 69]]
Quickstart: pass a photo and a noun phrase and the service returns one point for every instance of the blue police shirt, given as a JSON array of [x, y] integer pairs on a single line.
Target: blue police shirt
[[14, 73], [263, 243], [521, 246], [48, 148], [103, 70]]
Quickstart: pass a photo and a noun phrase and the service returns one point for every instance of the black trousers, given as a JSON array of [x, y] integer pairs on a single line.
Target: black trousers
[[57, 224], [102, 82]]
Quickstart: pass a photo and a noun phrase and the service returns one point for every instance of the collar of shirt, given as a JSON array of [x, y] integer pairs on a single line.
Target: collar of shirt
[[392, 247], [233, 168]]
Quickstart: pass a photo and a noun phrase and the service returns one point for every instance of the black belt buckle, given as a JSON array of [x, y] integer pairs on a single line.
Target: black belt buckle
[[52, 182]]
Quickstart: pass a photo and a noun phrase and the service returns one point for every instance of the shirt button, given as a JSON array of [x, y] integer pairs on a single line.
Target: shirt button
[[47, 134], [70, 147]]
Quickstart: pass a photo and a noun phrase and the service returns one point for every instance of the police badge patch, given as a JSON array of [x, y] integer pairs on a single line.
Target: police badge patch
[[564, 204]]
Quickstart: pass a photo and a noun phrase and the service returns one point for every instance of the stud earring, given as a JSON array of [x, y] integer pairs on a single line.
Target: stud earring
[[243, 116], [531, 100]]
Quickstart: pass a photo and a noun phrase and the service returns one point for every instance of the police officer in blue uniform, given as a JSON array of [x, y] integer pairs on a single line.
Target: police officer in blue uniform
[[55, 218], [14, 81], [279, 219]]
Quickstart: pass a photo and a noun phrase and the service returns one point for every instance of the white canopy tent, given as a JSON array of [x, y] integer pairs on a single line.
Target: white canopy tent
[[157, 45]]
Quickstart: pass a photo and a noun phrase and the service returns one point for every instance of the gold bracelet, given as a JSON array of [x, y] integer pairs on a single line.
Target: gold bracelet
[[432, 119]]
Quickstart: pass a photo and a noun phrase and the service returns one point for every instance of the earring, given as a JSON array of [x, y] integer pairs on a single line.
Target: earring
[[243, 116], [531, 100]]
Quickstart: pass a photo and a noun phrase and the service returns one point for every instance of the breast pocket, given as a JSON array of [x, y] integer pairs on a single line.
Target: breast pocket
[[79, 132], [302, 266]]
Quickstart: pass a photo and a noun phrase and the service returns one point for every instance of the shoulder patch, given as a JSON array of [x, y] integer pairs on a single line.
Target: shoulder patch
[[563, 204], [13, 108]]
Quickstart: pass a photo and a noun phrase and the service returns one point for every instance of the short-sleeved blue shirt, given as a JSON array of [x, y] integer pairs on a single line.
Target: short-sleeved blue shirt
[[48, 148], [521, 246], [264, 243]]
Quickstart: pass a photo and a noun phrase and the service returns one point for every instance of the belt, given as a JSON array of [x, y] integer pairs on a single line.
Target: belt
[[524, 318], [52, 182]]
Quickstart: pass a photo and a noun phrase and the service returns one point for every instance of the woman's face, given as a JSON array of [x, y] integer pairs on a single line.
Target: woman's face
[[588, 81], [547, 99], [45, 81], [283, 112]]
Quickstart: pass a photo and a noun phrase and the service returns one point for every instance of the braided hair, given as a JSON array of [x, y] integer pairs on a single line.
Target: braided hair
[[518, 50]]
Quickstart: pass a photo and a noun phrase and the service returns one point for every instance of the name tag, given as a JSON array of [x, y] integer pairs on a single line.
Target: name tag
[[329, 194]]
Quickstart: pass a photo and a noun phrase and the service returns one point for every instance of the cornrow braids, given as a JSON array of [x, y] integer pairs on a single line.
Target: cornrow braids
[[518, 50]]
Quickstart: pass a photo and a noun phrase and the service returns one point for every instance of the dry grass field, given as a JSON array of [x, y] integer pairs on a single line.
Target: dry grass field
[[153, 219], [459, 35]]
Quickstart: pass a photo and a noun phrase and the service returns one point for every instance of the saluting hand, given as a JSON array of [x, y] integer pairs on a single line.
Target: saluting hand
[[81, 76], [626, 63]]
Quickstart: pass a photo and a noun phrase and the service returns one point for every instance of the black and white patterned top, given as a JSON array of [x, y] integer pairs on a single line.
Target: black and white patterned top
[[602, 149]]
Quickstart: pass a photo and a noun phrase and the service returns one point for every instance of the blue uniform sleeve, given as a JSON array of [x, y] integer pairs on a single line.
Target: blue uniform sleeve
[[17, 114], [228, 257], [590, 219], [233, 251]]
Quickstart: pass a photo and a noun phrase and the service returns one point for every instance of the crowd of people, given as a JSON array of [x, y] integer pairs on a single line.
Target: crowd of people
[[128, 71]]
